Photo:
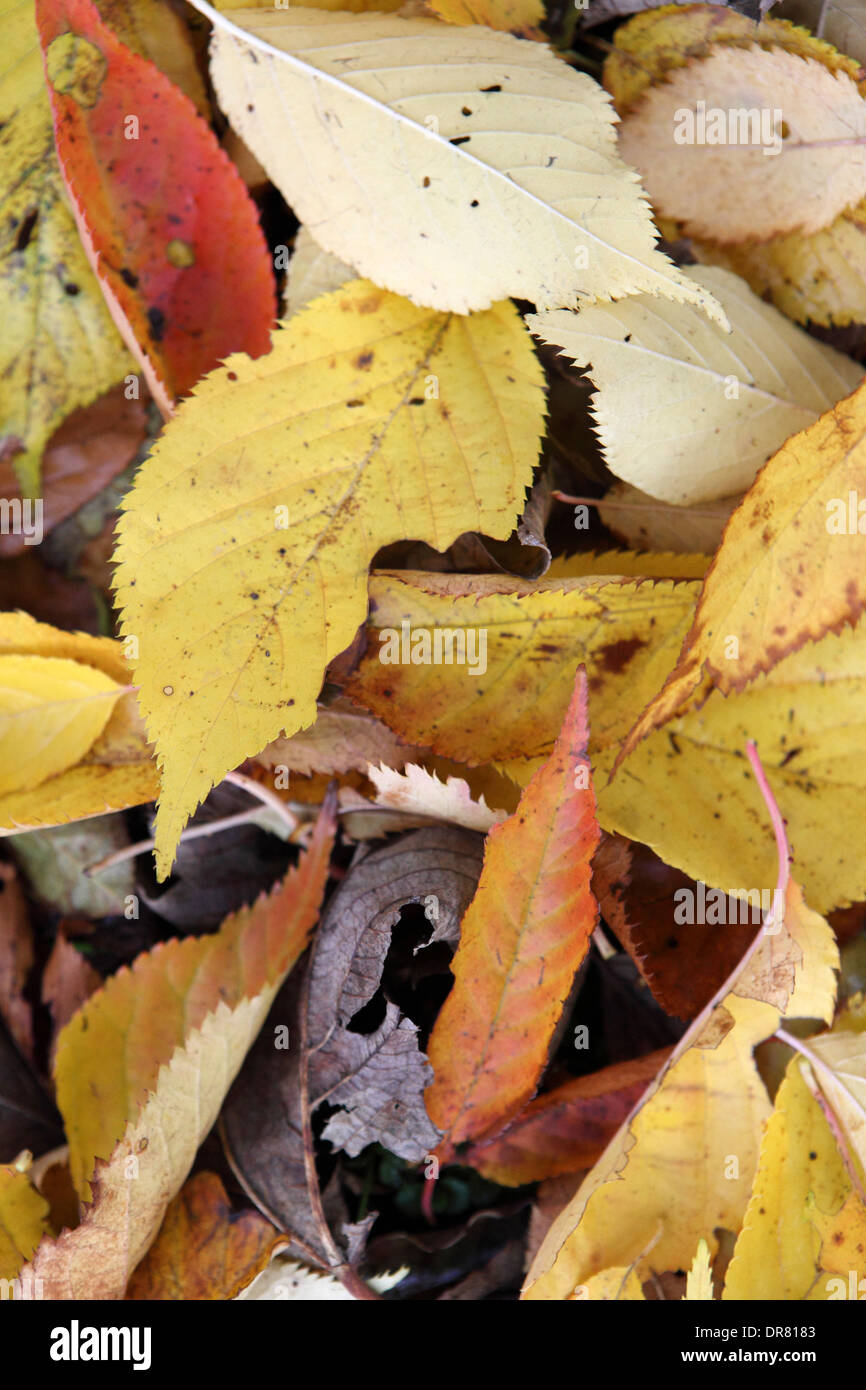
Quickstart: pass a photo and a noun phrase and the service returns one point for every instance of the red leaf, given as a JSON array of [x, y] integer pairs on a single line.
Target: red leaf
[[163, 214]]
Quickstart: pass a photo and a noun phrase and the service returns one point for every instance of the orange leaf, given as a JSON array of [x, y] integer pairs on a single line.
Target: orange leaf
[[568, 1128], [204, 1251], [110, 1054], [163, 214], [523, 936]]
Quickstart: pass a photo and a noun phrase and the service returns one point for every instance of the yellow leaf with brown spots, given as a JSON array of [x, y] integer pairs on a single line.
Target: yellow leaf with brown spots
[[535, 634], [246, 538]]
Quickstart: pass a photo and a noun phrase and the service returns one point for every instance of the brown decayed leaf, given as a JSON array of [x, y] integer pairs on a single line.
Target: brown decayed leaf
[[567, 1128], [375, 1081], [204, 1250], [16, 959], [521, 942], [67, 982], [644, 522], [341, 740]]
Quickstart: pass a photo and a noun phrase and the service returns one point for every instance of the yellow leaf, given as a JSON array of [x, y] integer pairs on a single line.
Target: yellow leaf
[[451, 137], [246, 538], [838, 1063], [807, 716], [764, 598], [51, 712], [682, 1165], [819, 278], [515, 16], [777, 1251], [699, 1282], [619, 1285], [625, 631], [639, 564], [143, 1067], [843, 1250], [23, 1219], [117, 771], [686, 412], [59, 348]]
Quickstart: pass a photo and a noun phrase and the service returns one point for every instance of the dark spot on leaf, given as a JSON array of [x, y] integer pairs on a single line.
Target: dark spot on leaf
[[467, 111], [495, 88], [156, 319], [25, 231], [616, 655], [129, 277], [363, 361]]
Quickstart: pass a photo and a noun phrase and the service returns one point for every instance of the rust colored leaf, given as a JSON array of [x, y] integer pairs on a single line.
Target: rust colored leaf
[[163, 214], [204, 1250], [67, 982], [569, 1127], [90, 448], [522, 939], [648, 904]]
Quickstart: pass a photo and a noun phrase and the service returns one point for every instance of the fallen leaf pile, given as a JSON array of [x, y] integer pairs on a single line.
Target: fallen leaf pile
[[432, 652]]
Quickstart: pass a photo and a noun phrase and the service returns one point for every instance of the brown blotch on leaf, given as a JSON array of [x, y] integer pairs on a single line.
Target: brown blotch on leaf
[[616, 656]]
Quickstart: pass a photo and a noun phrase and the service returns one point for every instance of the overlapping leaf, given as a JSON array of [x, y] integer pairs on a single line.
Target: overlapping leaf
[[246, 538], [173, 236], [684, 411], [453, 137], [143, 1069], [678, 1171], [116, 769], [521, 942]]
